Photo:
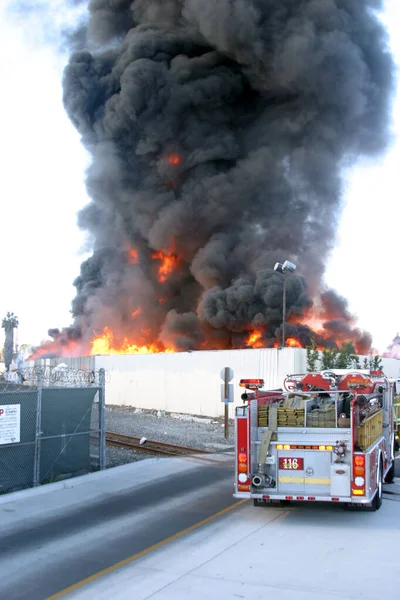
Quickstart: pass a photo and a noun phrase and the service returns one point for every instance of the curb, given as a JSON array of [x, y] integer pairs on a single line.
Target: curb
[[66, 484]]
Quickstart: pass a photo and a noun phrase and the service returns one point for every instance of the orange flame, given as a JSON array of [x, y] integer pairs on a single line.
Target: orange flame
[[313, 322], [293, 343], [105, 345], [133, 256], [290, 342], [136, 313], [174, 160], [254, 340], [72, 349], [169, 263]]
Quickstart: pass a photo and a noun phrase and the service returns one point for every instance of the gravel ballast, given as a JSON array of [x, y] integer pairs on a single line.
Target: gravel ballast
[[186, 430]]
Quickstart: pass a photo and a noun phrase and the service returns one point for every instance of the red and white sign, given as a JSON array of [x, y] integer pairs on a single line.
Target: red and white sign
[[291, 463], [10, 424]]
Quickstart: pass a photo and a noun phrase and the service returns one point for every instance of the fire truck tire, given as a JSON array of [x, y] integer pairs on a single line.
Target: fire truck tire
[[390, 474], [377, 501]]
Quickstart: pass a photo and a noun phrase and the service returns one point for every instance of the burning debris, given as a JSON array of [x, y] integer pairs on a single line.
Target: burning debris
[[218, 131]]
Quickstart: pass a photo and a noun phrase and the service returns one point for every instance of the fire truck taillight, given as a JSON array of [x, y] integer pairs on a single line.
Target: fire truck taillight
[[242, 465], [359, 460], [358, 487], [251, 384]]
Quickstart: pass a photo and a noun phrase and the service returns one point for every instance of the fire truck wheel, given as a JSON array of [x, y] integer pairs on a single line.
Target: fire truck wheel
[[390, 474], [377, 501]]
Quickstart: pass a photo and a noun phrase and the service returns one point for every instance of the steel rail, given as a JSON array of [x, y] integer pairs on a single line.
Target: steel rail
[[150, 446]]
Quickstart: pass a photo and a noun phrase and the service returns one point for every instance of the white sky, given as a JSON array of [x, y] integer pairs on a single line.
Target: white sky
[[42, 188]]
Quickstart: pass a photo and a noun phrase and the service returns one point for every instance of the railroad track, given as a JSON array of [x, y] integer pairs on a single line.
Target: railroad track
[[161, 448]]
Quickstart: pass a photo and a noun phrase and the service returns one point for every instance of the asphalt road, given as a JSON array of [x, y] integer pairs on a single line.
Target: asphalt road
[[39, 560]]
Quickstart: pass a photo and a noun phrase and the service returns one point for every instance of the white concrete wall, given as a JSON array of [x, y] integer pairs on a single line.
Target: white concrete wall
[[189, 382]]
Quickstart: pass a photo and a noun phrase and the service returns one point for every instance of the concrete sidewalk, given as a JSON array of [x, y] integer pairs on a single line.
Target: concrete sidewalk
[[304, 552]]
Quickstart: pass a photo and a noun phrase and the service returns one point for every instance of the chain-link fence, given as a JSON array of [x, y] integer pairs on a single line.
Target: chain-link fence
[[52, 426]]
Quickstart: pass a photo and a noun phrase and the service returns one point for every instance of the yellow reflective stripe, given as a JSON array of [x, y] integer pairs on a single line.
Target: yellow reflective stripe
[[291, 479], [322, 481], [306, 480]]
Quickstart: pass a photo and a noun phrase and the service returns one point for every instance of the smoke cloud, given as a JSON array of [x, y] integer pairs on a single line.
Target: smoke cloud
[[218, 133]]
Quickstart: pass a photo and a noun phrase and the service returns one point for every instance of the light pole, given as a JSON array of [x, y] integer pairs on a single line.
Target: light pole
[[286, 267]]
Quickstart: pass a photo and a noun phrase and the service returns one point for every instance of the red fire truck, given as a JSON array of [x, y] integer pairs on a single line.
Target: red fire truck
[[323, 437]]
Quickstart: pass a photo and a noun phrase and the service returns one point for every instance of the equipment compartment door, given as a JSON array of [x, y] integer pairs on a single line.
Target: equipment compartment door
[[290, 472], [317, 472]]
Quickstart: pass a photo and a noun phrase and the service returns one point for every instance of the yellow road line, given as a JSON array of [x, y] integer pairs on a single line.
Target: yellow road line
[[134, 557]]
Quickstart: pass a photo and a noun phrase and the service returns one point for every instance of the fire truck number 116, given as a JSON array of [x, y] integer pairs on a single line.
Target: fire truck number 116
[[292, 464]]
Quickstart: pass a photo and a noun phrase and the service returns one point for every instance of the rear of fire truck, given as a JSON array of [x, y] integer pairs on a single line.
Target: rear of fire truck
[[325, 436]]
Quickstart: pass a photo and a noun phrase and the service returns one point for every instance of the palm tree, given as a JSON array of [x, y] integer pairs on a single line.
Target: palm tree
[[9, 323]]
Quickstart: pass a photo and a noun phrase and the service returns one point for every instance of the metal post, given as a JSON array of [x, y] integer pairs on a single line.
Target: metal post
[[38, 432], [226, 391], [284, 312], [102, 420]]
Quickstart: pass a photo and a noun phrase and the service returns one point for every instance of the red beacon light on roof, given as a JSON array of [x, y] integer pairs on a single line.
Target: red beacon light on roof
[[252, 384]]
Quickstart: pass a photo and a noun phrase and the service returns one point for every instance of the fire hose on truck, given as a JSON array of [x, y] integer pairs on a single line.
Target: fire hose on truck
[[323, 437]]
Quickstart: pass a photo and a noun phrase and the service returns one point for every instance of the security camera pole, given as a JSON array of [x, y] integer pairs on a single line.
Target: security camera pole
[[286, 267]]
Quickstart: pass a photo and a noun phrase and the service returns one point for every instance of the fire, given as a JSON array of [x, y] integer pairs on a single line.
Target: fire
[[169, 263], [254, 340], [136, 313], [290, 342], [105, 345], [293, 343], [174, 160], [52, 348], [133, 256], [313, 322]]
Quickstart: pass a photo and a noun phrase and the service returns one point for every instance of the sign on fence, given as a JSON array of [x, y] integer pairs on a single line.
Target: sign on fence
[[10, 424]]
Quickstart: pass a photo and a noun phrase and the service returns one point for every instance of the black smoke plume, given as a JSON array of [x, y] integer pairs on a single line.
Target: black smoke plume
[[219, 131]]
